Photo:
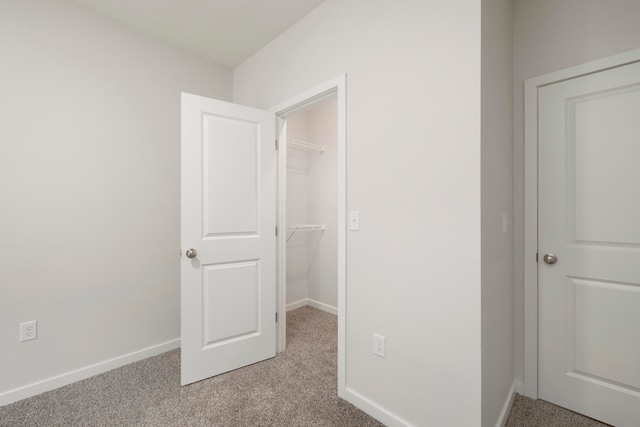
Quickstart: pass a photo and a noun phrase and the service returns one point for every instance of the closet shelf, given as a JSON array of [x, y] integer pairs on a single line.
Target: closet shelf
[[306, 227], [302, 155], [293, 229], [299, 144]]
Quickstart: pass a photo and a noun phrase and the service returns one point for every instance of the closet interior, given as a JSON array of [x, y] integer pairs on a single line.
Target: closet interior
[[312, 207]]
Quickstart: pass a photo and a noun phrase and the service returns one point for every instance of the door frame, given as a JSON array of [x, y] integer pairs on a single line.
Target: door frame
[[305, 100], [531, 201]]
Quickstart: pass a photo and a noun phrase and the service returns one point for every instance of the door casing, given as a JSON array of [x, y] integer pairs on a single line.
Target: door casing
[[305, 100], [531, 202]]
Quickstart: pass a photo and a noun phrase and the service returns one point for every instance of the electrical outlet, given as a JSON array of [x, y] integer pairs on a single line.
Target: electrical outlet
[[28, 330], [378, 345]]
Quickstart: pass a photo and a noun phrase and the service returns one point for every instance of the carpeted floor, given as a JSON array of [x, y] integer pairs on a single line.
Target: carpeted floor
[[527, 412], [296, 388]]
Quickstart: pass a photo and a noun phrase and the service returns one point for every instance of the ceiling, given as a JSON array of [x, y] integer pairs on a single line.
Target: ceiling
[[224, 31]]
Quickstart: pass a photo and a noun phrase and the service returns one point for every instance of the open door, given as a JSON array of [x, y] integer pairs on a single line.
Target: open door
[[228, 219], [589, 243]]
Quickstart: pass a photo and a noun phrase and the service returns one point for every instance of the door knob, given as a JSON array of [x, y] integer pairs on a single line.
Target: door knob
[[548, 258], [192, 253]]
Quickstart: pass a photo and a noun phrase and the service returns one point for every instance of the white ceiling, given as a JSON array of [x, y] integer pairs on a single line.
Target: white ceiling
[[224, 31]]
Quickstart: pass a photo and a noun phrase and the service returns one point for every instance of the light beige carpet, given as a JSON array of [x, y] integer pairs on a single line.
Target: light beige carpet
[[527, 412], [296, 388]]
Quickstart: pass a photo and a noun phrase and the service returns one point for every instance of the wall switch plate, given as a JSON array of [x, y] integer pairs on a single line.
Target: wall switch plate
[[505, 223], [354, 220], [28, 330], [379, 345]]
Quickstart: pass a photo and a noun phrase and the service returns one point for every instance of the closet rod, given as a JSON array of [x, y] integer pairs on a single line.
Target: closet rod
[[304, 227]]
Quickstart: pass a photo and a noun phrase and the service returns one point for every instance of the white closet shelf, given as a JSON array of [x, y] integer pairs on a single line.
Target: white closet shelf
[[299, 144], [293, 229], [301, 155], [306, 227]]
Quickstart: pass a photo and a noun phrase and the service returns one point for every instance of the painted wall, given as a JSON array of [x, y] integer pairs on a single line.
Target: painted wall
[[413, 159], [551, 35], [90, 185], [497, 199], [297, 213], [323, 204], [312, 198]]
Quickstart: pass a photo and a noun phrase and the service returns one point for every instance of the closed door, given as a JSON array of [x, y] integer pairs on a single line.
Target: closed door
[[228, 218], [589, 244]]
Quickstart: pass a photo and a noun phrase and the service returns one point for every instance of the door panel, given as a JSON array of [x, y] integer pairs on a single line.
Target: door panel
[[231, 153], [589, 210], [606, 315], [606, 125], [231, 302], [228, 215]]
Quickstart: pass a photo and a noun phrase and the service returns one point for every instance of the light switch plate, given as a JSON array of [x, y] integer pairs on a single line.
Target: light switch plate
[[354, 220], [379, 345], [505, 223]]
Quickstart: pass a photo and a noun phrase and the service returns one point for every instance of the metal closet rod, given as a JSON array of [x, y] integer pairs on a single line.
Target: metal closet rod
[[304, 227]]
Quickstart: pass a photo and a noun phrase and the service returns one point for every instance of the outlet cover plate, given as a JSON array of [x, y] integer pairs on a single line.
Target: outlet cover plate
[[28, 330]]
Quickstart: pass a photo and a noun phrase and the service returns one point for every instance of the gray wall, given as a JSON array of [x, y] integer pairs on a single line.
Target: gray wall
[[497, 199], [551, 35], [413, 172], [89, 190]]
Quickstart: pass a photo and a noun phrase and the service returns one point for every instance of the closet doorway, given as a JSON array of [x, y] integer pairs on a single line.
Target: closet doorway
[[312, 207]]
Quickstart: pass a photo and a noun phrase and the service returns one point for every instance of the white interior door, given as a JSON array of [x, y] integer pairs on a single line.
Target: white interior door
[[228, 217], [589, 218]]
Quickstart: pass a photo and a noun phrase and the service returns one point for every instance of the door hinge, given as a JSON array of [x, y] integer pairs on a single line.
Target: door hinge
[[276, 317], [536, 256], [276, 145], [276, 231]]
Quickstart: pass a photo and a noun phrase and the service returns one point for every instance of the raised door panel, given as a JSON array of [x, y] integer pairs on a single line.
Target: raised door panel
[[231, 302], [606, 151], [606, 337], [231, 176]]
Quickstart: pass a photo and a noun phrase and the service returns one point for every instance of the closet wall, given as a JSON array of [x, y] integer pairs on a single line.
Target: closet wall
[[312, 188]]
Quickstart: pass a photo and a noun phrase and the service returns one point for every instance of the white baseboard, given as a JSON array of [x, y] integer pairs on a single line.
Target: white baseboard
[[391, 419], [324, 307], [297, 304], [58, 381], [506, 408], [312, 303], [373, 409]]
